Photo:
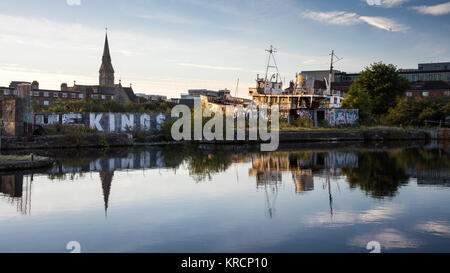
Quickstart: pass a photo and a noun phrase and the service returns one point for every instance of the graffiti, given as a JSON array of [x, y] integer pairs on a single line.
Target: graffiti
[[104, 122], [336, 117], [306, 114]]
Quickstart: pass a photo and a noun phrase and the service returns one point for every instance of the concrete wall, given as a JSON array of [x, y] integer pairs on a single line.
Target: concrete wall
[[105, 122], [334, 117], [337, 117]]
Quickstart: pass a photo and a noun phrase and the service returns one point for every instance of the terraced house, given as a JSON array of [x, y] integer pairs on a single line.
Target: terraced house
[[107, 89]]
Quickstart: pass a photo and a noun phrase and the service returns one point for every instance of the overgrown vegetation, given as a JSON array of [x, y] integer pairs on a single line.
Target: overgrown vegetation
[[415, 112], [11, 158], [379, 96], [91, 105], [59, 129]]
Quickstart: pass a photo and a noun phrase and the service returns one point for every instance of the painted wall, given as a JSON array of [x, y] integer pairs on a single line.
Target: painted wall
[[337, 117], [334, 117], [105, 122]]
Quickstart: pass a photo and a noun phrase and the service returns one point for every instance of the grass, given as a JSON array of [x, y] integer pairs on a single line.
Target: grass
[[9, 158]]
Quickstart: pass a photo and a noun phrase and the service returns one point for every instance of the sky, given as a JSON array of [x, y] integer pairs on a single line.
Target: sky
[[167, 47]]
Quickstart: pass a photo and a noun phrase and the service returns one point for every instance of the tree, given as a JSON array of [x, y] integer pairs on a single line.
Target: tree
[[409, 111], [376, 90]]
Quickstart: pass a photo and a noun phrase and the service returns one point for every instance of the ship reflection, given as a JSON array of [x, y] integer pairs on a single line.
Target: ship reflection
[[303, 166]]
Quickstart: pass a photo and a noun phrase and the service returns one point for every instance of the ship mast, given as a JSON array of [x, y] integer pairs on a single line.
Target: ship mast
[[330, 75], [271, 52]]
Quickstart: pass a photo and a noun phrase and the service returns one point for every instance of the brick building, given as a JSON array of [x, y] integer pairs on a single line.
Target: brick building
[[107, 89], [422, 89]]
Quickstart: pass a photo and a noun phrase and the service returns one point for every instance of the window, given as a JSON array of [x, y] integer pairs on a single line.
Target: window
[[103, 97], [55, 95], [46, 94], [6, 92], [94, 96], [447, 93], [16, 92], [64, 95], [409, 94], [46, 102], [80, 96], [425, 94], [36, 93], [74, 96]]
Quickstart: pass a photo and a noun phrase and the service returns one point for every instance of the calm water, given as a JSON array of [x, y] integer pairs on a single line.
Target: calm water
[[332, 198]]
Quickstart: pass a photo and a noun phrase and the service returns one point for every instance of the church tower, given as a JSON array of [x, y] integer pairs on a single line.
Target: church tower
[[106, 69]]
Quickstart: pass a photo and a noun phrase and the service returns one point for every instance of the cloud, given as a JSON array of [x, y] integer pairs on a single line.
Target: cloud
[[389, 239], [346, 18], [209, 66], [169, 18], [348, 218], [333, 17], [385, 3], [436, 228], [440, 9], [73, 2], [384, 23]]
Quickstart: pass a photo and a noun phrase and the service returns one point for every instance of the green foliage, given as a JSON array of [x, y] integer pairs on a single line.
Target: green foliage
[[91, 105], [59, 129], [414, 112], [303, 122], [376, 91]]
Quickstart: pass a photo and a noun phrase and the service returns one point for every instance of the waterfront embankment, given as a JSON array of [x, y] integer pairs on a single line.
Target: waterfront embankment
[[99, 140], [95, 140], [22, 162]]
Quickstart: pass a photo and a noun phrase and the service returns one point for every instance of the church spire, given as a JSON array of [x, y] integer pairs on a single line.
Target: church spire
[[106, 69]]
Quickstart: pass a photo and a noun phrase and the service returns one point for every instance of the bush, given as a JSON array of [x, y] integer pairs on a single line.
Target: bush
[[414, 112], [90, 105]]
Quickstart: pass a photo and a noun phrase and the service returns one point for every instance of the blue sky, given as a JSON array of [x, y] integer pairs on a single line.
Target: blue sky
[[167, 46]]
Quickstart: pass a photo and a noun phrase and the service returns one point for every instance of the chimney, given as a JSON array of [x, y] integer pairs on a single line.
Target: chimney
[[34, 85]]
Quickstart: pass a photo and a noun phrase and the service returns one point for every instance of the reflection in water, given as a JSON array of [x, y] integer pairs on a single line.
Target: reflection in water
[[346, 197], [378, 173], [106, 179], [303, 166], [16, 192]]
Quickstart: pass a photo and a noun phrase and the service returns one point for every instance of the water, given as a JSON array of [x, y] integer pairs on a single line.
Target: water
[[325, 198]]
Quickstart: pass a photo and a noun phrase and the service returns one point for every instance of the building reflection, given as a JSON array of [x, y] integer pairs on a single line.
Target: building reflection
[[16, 192], [106, 178]]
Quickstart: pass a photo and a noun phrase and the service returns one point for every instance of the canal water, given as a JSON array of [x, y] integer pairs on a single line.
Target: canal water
[[320, 198]]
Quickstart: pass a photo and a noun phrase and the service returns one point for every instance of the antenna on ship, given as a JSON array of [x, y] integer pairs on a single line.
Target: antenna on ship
[[271, 52], [236, 91], [330, 75]]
